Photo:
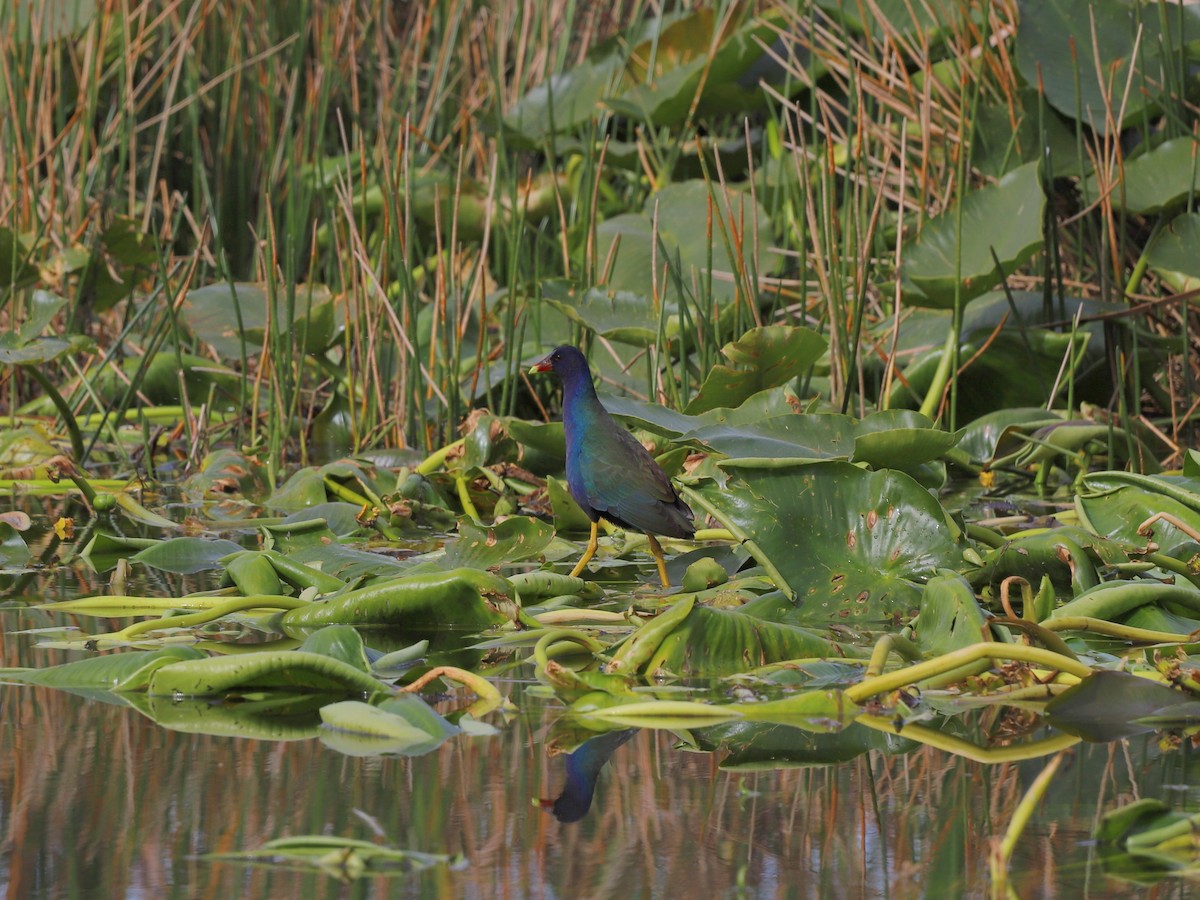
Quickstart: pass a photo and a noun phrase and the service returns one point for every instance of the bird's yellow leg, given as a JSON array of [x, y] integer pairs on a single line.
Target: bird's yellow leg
[[658, 558], [588, 553]]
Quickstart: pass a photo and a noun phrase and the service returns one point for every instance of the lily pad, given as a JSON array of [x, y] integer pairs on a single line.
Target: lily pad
[[233, 317], [1172, 253], [485, 546], [845, 543], [461, 598], [404, 725], [281, 670], [1081, 53], [762, 358], [185, 555], [1157, 180], [942, 261], [131, 671], [618, 315]]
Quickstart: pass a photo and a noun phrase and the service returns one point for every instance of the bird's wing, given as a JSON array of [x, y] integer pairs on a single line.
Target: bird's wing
[[622, 479]]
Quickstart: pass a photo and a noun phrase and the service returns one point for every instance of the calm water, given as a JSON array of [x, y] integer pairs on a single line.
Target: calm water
[[96, 800]]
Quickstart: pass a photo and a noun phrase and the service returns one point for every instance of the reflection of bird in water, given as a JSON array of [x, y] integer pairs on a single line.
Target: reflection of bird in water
[[583, 769]]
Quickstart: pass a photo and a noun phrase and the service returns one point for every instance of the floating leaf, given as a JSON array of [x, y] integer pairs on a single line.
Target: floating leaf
[[1154, 181], [286, 670], [340, 642], [486, 546], [715, 642], [845, 542], [185, 555], [1107, 706], [404, 725], [131, 671], [342, 858], [461, 598]]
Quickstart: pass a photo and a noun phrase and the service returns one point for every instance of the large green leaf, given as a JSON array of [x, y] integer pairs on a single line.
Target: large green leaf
[[896, 19], [185, 555], [618, 315], [27, 346], [1172, 254], [693, 221], [486, 546], [233, 317], [462, 598], [898, 439], [404, 725], [1111, 705], [1119, 511], [698, 69], [131, 671], [762, 358], [1082, 53], [942, 260], [715, 642], [1156, 180], [570, 98], [665, 421], [288, 670], [845, 542]]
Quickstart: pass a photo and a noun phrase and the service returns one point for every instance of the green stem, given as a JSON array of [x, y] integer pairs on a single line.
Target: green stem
[[64, 410], [239, 604], [883, 684]]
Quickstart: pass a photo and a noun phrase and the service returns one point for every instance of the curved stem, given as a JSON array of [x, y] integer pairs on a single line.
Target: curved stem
[[883, 684], [64, 410]]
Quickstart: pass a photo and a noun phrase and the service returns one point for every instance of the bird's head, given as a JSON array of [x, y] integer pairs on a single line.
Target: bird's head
[[563, 361]]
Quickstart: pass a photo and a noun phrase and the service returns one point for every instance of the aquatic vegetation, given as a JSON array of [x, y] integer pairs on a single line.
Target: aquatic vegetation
[[898, 305]]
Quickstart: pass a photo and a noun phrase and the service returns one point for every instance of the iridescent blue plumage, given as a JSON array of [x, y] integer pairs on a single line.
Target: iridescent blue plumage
[[609, 473]]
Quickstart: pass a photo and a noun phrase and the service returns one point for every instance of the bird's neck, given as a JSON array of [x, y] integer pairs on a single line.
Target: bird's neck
[[579, 390]]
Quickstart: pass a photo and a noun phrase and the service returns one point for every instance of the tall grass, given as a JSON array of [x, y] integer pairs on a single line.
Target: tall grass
[[335, 144]]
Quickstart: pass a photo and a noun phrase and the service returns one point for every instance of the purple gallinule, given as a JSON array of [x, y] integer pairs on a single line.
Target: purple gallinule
[[609, 473]]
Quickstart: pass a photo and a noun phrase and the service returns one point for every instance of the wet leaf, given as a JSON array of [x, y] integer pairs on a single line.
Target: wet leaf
[[461, 598], [281, 670], [303, 489], [340, 642], [846, 543], [950, 617], [185, 555], [714, 642], [1109, 705], [486, 546], [130, 671], [404, 725], [14, 552]]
